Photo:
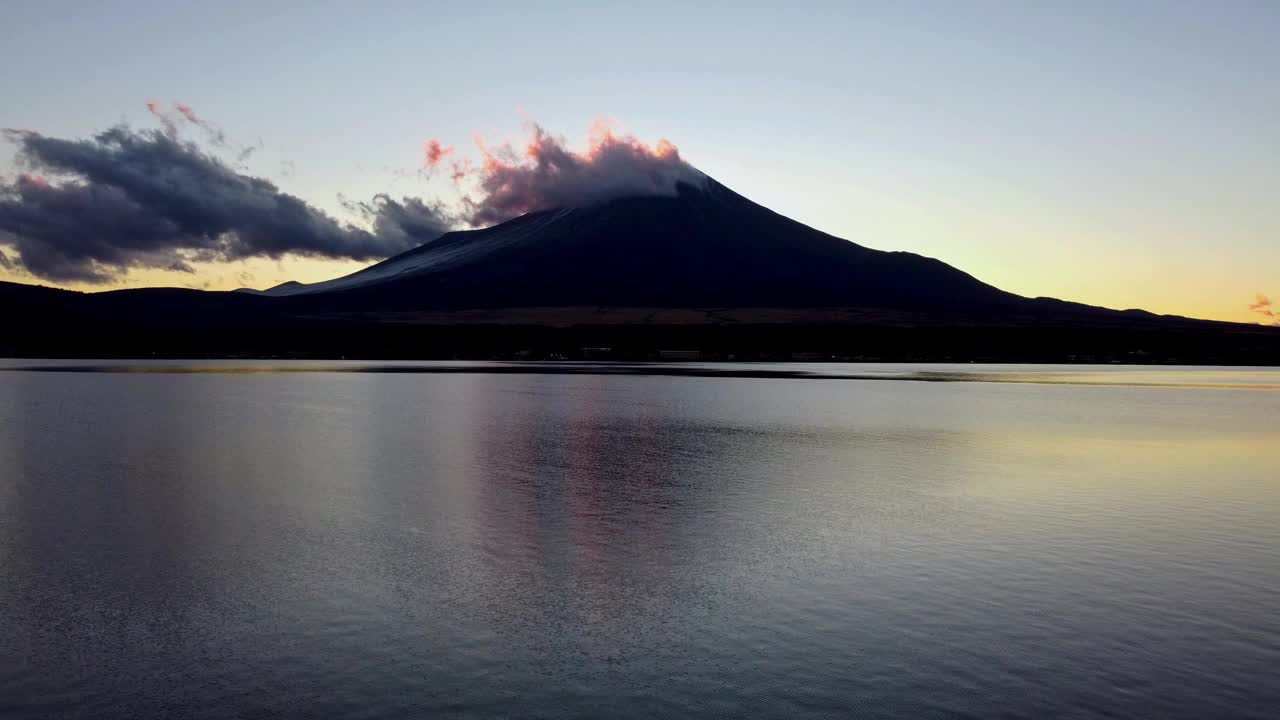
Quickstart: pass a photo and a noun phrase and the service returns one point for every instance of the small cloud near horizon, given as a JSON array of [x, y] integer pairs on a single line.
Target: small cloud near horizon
[[1262, 305]]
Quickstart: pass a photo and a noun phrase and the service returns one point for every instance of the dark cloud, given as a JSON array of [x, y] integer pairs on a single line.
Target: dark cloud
[[547, 174], [407, 219], [146, 199], [91, 209]]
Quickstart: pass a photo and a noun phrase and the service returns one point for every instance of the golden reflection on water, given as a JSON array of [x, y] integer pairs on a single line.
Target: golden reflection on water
[[1148, 377]]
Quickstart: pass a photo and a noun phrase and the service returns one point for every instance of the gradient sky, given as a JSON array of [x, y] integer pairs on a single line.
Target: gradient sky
[[1125, 154]]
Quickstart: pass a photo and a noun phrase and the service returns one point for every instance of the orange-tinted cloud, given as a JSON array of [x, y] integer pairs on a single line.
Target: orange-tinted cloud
[[435, 152], [1262, 305], [545, 173]]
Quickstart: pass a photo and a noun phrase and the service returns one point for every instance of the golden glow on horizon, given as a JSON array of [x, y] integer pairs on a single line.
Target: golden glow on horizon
[[1226, 304], [257, 273]]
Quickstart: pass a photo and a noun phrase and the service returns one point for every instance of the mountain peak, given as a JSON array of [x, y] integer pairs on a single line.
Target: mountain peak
[[703, 245]]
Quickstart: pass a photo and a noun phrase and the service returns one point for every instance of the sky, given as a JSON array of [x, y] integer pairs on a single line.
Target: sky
[[1124, 154]]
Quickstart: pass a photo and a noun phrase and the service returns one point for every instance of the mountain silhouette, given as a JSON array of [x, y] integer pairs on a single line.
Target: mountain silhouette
[[703, 268], [705, 246]]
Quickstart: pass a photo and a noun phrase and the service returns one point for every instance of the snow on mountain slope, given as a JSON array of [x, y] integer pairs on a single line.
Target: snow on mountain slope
[[447, 251]]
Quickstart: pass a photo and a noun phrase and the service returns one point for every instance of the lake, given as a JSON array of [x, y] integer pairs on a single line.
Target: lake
[[232, 539]]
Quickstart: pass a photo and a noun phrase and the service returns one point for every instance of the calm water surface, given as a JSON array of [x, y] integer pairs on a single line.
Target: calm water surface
[[355, 540]]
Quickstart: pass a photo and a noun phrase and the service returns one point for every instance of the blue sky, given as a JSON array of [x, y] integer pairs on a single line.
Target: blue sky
[[1118, 153]]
